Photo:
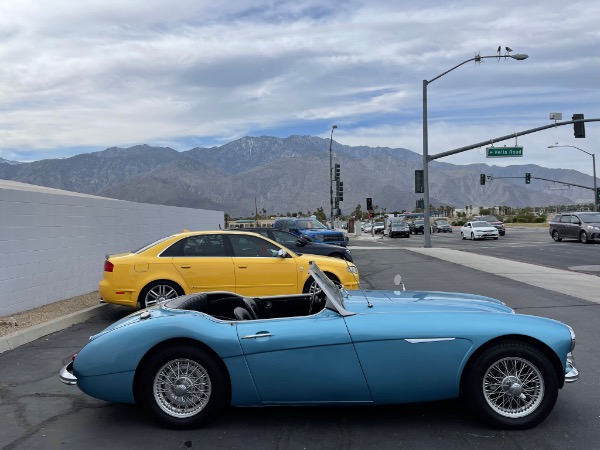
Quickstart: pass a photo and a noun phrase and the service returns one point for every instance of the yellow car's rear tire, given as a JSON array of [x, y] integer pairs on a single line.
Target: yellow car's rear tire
[[158, 291]]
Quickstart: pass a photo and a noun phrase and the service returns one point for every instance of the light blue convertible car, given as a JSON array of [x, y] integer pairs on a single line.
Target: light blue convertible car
[[186, 359]]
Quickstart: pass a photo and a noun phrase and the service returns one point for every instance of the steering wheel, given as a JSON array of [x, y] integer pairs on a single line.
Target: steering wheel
[[316, 296]]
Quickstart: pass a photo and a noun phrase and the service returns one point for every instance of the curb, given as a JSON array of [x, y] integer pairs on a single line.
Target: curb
[[14, 340]]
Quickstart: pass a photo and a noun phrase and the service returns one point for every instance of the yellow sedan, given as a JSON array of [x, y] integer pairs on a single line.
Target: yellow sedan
[[201, 261]]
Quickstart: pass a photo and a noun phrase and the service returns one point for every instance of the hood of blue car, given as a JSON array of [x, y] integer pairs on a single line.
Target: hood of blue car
[[421, 301]]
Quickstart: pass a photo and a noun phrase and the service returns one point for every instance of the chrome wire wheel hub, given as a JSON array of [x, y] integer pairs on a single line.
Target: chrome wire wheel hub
[[513, 387], [182, 388]]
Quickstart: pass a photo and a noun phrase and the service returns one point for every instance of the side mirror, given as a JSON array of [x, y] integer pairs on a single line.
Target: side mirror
[[306, 238], [301, 242], [282, 253]]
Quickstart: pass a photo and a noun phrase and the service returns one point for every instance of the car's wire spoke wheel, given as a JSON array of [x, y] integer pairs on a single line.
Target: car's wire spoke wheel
[[182, 388], [513, 387]]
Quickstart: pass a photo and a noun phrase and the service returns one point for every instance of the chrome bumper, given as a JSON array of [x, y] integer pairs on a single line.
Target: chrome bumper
[[571, 373], [66, 375]]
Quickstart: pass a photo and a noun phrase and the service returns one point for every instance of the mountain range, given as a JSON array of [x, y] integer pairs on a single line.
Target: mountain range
[[291, 174]]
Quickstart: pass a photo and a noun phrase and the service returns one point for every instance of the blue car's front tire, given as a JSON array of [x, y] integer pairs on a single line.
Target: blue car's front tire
[[512, 385], [183, 387]]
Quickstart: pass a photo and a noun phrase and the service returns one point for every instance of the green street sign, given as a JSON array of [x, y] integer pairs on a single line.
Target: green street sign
[[503, 152]]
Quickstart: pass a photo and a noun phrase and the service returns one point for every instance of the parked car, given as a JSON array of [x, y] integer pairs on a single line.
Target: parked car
[[495, 222], [583, 226], [202, 261], [312, 228], [478, 229], [441, 226], [397, 227], [417, 226], [302, 244], [185, 360]]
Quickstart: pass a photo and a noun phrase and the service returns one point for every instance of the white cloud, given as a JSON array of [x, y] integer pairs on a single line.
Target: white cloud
[[93, 74]]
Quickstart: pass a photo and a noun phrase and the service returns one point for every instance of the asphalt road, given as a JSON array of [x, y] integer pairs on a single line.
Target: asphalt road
[[39, 412]]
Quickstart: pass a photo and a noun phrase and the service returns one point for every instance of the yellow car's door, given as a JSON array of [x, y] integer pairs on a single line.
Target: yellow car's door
[[259, 270], [204, 264]]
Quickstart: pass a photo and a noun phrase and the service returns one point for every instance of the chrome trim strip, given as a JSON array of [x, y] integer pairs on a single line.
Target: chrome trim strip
[[421, 341]]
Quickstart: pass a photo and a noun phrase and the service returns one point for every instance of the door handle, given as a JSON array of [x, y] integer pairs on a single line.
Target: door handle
[[242, 267], [260, 334], [186, 267]]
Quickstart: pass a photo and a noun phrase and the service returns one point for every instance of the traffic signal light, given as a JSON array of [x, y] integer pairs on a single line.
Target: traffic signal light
[[370, 205], [482, 179], [340, 191], [598, 194], [419, 183], [579, 127], [336, 171], [370, 215], [527, 178]]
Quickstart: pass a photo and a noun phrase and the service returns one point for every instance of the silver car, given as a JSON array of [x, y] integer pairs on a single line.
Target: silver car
[[583, 226]]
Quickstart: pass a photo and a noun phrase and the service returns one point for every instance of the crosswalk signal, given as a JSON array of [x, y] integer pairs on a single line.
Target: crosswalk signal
[[578, 127], [482, 179], [527, 178]]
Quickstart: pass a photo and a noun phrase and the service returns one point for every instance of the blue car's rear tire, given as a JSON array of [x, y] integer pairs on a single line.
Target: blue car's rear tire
[[511, 385], [183, 387]]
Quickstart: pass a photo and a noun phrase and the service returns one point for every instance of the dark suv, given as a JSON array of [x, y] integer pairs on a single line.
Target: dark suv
[[583, 226], [494, 221], [417, 226], [302, 244], [315, 230]]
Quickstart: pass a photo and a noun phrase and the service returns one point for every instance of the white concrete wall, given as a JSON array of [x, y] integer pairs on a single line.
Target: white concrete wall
[[53, 243]]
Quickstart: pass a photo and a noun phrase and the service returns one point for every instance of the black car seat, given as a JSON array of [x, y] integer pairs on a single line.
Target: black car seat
[[252, 307], [241, 313]]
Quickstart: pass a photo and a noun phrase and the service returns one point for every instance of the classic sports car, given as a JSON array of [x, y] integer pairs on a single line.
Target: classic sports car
[[186, 359]]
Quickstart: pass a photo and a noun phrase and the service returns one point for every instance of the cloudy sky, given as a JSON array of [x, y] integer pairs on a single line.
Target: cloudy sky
[[81, 76]]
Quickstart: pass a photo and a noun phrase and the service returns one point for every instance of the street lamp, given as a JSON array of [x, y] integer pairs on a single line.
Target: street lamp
[[331, 176], [478, 58], [593, 166]]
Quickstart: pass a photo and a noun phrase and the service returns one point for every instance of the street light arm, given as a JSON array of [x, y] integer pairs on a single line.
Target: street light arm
[[518, 57], [572, 146], [596, 199]]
